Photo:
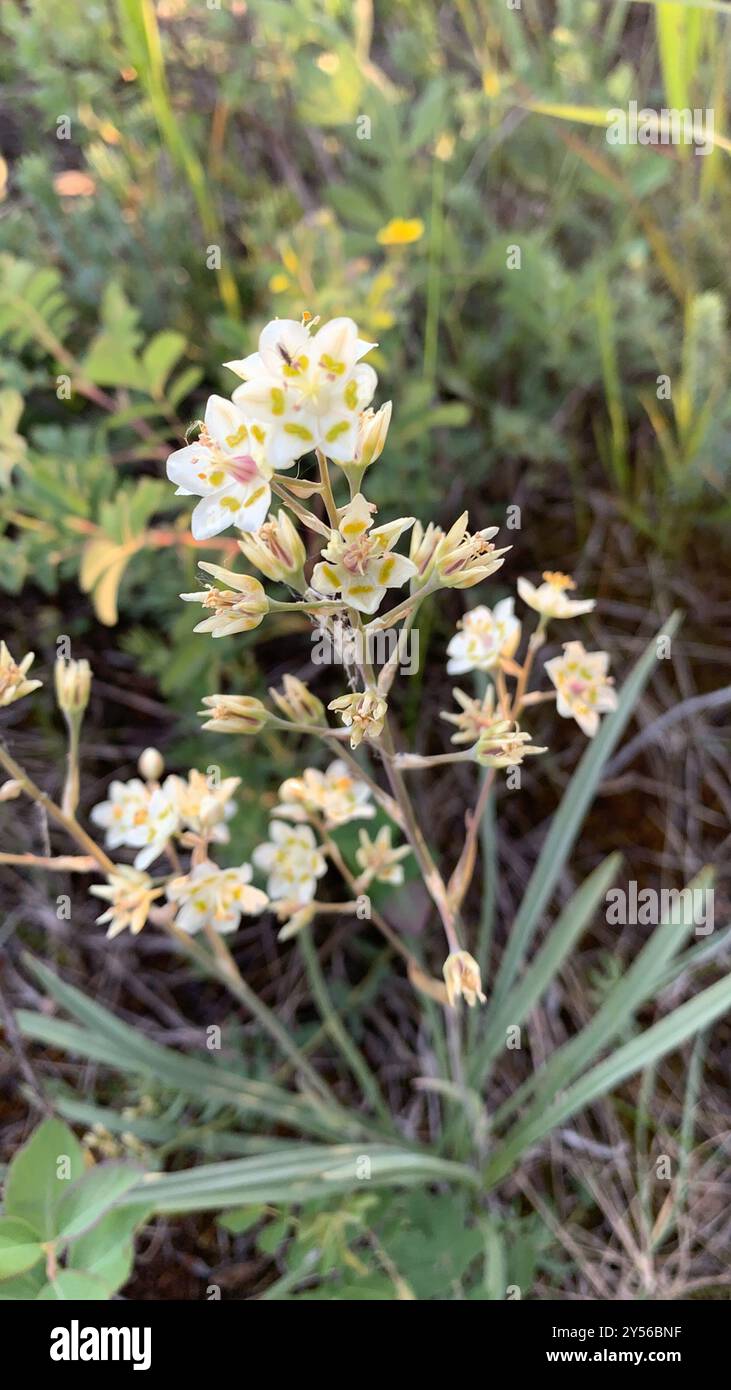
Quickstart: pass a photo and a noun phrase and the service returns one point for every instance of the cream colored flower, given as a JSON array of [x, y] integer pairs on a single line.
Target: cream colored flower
[[13, 685], [485, 636], [506, 749], [292, 861], [276, 550], [130, 895], [372, 433], [209, 896], [296, 702], [477, 717], [309, 388], [378, 859], [236, 609], [422, 550], [359, 562], [142, 817], [72, 680], [229, 468], [584, 689], [203, 807], [462, 560], [151, 764], [234, 714], [462, 978], [550, 599], [335, 795], [363, 713]]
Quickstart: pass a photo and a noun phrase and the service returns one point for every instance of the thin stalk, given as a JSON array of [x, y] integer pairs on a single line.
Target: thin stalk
[[70, 825]]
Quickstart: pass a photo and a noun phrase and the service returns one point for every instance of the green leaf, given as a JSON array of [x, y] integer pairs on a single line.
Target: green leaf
[[296, 1174], [640, 1052], [160, 356], [560, 940], [34, 1186], [72, 1284], [568, 819], [19, 1247], [92, 1196]]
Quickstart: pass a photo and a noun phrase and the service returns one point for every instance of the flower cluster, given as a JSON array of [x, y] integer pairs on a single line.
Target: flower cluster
[[307, 390]]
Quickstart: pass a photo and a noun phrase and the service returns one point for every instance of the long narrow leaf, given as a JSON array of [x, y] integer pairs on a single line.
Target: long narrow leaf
[[567, 821]]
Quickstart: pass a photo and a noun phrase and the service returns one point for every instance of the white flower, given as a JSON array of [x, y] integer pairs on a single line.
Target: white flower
[[308, 388], [130, 895], [201, 807], [143, 817], [378, 859], [334, 794], [292, 860], [486, 634], [13, 685], [550, 599], [236, 609], [584, 689], [228, 467], [359, 562], [209, 896]]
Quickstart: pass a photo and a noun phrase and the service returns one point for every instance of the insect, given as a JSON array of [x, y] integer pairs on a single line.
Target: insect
[[281, 349]]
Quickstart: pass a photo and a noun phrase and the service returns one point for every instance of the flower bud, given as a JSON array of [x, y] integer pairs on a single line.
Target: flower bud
[[10, 789], [297, 703], [151, 765], [234, 714], [462, 978], [276, 550], [73, 684], [422, 550], [462, 560]]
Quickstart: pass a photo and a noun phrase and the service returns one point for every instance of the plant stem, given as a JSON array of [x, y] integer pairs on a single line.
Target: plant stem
[[327, 491], [70, 825]]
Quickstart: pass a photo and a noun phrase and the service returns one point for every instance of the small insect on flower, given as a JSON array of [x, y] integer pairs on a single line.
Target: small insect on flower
[[485, 636], [359, 562], [130, 895], [462, 559], [213, 897], [584, 690], [292, 861], [363, 713], [309, 388], [551, 599], [234, 714], [13, 684], [378, 860], [236, 609], [462, 978], [229, 468], [335, 795]]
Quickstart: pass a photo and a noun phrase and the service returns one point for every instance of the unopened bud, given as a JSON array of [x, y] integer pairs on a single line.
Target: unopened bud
[[297, 703], [151, 765], [73, 684]]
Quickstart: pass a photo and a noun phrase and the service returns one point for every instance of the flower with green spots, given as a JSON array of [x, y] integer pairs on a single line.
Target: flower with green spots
[[359, 562], [308, 387], [229, 468]]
